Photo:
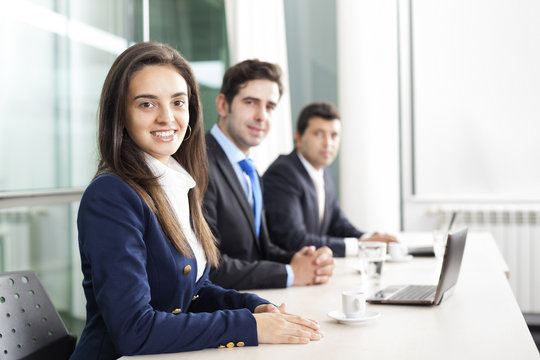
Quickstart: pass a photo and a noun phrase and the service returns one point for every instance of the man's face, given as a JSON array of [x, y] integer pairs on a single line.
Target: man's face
[[247, 120], [320, 142]]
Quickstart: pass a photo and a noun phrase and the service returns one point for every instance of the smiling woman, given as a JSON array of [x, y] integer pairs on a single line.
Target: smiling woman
[[157, 110], [141, 226], [62, 50]]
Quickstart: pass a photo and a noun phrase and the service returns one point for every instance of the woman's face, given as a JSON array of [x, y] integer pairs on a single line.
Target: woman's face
[[157, 110]]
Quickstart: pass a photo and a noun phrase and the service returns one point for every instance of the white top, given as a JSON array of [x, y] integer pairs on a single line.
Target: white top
[[176, 183]]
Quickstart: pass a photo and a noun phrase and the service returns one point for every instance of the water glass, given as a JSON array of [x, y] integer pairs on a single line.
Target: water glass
[[371, 256], [439, 243]]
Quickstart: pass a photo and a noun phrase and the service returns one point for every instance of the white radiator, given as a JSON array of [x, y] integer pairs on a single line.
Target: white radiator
[[516, 230]]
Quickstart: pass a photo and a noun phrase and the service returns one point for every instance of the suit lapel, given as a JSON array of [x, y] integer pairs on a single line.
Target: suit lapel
[[310, 189], [328, 185], [226, 169]]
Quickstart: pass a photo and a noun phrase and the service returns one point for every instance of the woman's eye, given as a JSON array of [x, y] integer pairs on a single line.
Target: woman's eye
[[179, 103], [146, 105]]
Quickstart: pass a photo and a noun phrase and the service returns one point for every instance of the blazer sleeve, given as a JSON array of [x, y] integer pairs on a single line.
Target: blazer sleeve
[[233, 272], [113, 222], [285, 214], [212, 298]]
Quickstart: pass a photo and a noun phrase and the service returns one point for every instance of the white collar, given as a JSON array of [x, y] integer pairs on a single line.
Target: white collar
[[313, 173], [172, 175], [234, 154]]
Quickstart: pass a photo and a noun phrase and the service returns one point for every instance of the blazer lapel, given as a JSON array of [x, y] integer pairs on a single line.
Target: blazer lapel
[[230, 177]]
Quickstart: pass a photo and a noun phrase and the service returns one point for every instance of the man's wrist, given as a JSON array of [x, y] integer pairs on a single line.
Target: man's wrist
[[290, 275], [351, 246]]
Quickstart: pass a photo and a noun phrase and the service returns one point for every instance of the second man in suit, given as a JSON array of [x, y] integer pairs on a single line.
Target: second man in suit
[[249, 94], [299, 194]]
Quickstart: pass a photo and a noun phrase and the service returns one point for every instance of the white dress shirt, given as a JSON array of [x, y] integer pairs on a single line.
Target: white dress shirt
[[351, 243], [235, 155], [176, 183]]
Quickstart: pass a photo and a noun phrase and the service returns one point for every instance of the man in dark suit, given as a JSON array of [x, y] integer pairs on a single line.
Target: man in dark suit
[[299, 194], [233, 201]]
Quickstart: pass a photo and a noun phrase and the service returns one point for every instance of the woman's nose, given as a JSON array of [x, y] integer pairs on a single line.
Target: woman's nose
[[165, 115]]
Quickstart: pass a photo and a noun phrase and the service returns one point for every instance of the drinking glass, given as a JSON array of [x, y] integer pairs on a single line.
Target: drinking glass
[[371, 256]]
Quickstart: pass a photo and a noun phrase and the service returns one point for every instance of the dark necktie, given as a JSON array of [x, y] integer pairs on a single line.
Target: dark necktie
[[249, 169]]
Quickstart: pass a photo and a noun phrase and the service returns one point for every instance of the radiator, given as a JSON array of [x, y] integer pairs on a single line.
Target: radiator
[[516, 230]]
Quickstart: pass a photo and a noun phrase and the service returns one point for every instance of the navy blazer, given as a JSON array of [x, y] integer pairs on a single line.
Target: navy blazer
[[142, 297], [292, 209], [247, 262]]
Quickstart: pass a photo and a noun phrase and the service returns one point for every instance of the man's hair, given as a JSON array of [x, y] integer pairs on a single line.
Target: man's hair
[[323, 110], [238, 75]]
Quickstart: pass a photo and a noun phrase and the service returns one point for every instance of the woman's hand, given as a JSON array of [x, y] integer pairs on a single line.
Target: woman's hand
[[283, 328], [271, 308]]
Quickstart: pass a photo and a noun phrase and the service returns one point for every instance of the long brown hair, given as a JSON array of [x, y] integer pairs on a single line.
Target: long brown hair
[[119, 155]]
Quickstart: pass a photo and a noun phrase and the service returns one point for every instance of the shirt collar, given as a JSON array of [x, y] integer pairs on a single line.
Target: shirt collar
[[172, 175], [234, 154], [313, 173]]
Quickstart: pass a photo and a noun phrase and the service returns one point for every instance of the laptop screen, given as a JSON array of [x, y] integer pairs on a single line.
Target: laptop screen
[[453, 256]]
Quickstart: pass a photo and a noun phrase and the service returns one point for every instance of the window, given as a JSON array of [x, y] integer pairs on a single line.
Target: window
[[58, 54]]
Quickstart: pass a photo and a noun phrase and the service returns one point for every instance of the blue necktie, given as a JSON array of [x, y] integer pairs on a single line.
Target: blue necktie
[[249, 169]]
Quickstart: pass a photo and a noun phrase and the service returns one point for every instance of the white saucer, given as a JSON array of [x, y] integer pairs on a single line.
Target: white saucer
[[401, 259], [341, 318]]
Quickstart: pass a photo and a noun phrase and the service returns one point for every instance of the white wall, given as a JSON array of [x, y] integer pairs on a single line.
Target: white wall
[[368, 102], [471, 90], [476, 97]]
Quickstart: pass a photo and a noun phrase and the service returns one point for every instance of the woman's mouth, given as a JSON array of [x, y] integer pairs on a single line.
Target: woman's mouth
[[164, 135]]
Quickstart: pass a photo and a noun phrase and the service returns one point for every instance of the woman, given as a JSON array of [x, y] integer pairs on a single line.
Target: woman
[[145, 246]]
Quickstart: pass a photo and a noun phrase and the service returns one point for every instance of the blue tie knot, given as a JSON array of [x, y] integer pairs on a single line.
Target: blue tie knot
[[247, 166], [249, 169]]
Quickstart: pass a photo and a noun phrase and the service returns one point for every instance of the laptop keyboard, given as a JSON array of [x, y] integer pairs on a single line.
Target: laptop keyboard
[[416, 292]]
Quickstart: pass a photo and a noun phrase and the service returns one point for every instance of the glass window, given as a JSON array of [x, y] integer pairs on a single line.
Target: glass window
[[58, 54]]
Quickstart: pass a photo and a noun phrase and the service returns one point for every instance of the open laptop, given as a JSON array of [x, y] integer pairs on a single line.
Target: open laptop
[[427, 251], [429, 294]]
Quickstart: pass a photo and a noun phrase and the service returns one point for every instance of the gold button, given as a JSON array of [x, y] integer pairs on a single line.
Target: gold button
[[195, 297], [176, 311], [240, 344], [187, 269], [221, 347], [230, 344]]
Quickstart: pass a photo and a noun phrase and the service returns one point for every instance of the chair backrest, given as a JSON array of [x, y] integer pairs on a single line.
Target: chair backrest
[[30, 327]]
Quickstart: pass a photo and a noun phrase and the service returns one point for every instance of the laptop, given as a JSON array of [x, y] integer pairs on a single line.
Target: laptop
[[427, 251], [429, 294]]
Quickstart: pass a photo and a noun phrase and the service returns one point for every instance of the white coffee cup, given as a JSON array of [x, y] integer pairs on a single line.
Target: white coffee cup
[[397, 250], [354, 303]]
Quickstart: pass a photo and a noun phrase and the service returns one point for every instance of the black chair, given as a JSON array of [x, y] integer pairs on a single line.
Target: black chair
[[30, 327]]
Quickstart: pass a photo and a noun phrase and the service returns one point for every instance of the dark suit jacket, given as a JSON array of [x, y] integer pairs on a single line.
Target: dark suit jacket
[[134, 279], [247, 262], [292, 210]]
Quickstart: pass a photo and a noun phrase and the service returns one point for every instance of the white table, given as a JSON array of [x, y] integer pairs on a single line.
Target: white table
[[481, 320]]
